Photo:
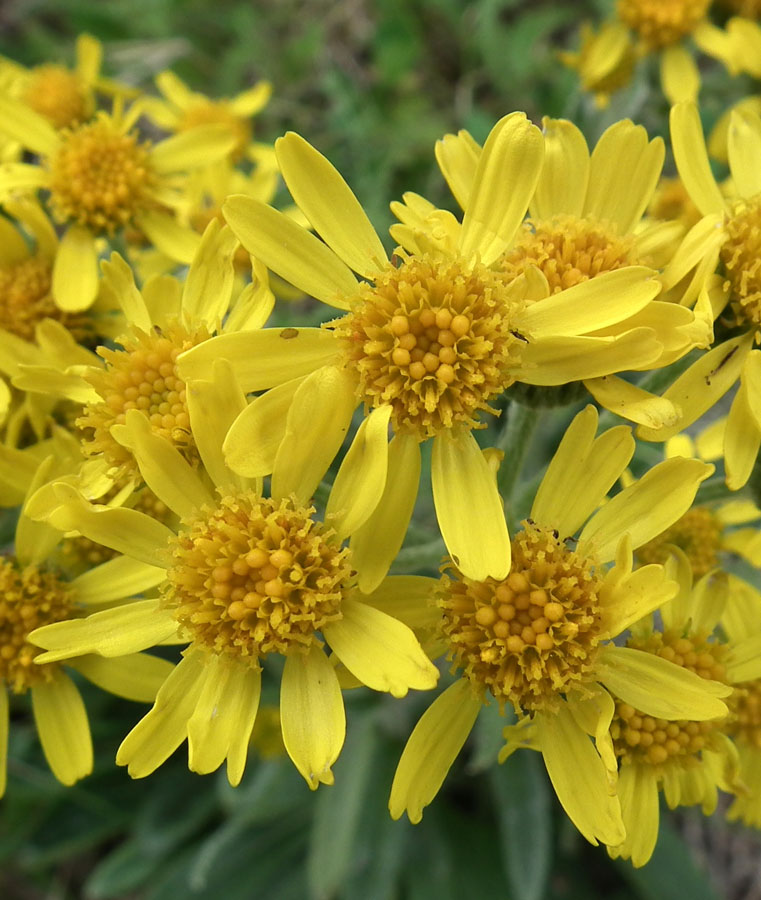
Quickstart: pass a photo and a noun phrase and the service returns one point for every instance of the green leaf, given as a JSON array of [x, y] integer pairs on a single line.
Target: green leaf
[[522, 797], [126, 868]]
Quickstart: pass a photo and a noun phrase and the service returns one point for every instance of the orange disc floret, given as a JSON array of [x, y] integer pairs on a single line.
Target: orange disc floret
[[57, 94], [660, 23]]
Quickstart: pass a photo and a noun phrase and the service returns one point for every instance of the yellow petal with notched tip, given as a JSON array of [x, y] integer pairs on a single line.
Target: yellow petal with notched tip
[[638, 793], [312, 714], [63, 729], [659, 687], [468, 507], [329, 204], [457, 156], [431, 749], [208, 287], [565, 151], [290, 250], [379, 650]]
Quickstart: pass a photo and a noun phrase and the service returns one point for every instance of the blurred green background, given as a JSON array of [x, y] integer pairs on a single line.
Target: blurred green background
[[372, 85]]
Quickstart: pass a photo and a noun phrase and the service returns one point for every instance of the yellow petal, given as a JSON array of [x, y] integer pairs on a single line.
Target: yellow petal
[[646, 508], [162, 466], [177, 241], [162, 297], [134, 676], [124, 629], [468, 507], [432, 748], [21, 123], [692, 159], [35, 540], [742, 437], [224, 715], [507, 174], [175, 90], [161, 731], [89, 54], [375, 544], [744, 146], [581, 473], [625, 600], [457, 156], [117, 274], [631, 402], [565, 151], [408, 598], [361, 477], [382, 652], [658, 687], [593, 711], [743, 661], [329, 204], [290, 250], [209, 286], [62, 726], [191, 149], [317, 423], [75, 270], [312, 714], [680, 77], [250, 102], [262, 359], [638, 793], [20, 177], [579, 776]]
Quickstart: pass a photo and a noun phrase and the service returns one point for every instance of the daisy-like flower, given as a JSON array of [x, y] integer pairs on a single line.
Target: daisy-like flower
[[425, 345], [541, 639], [644, 28], [725, 240], [101, 178], [183, 109], [586, 222], [163, 320], [688, 760], [35, 595], [246, 577]]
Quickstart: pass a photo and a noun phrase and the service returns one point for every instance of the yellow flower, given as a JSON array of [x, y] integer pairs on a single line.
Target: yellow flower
[[650, 27], [541, 639], [183, 109], [34, 595], [687, 759], [725, 239], [102, 178], [245, 577]]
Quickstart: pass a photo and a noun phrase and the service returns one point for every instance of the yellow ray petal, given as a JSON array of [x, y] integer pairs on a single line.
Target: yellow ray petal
[[199, 146], [680, 78], [625, 600], [75, 270], [89, 55], [565, 151], [111, 632], [743, 661], [175, 90], [36, 540], [21, 123], [658, 687], [432, 748], [408, 598], [177, 241], [631, 402], [638, 793], [290, 250], [645, 508], [20, 177], [119, 577], [312, 714], [329, 204], [62, 726], [208, 288], [374, 546], [161, 731], [379, 650], [507, 174], [742, 437], [457, 156], [744, 146], [361, 477], [317, 423], [250, 102], [135, 676], [162, 296], [117, 274], [468, 507], [593, 712], [692, 159]]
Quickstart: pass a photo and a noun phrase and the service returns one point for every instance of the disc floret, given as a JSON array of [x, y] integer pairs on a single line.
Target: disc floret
[[57, 94], [660, 23], [741, 257], [697, 533], [744, 723]]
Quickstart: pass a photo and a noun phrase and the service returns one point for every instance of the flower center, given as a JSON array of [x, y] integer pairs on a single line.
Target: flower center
[[672, 203], [143, 376], [25, 297], [99, 177], [218, 113], [660, 23], [639, 738], [57, 94], [532, 637], [433, 340], [256, 576], [741, 256], [568, 250], [697, 534], [745, 713], [31, 598]]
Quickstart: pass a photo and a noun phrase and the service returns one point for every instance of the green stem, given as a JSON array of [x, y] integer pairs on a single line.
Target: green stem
[[515, 441]]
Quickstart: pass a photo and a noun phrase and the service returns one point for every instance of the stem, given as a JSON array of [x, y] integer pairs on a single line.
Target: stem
[[514, 441]]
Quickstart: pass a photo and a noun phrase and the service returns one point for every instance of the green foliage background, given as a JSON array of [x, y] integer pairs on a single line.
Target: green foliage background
[[372, 85]]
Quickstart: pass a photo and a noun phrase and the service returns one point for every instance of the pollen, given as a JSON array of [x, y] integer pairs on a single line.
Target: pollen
[[57, 94], [100, 178], [433, 340], [533, 637], [255, 576], [210, 112], [29, 599], [143, 376], [741, 256], [640, 738], [660, 23], [697, 534], [568, 250], [744, 724]]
